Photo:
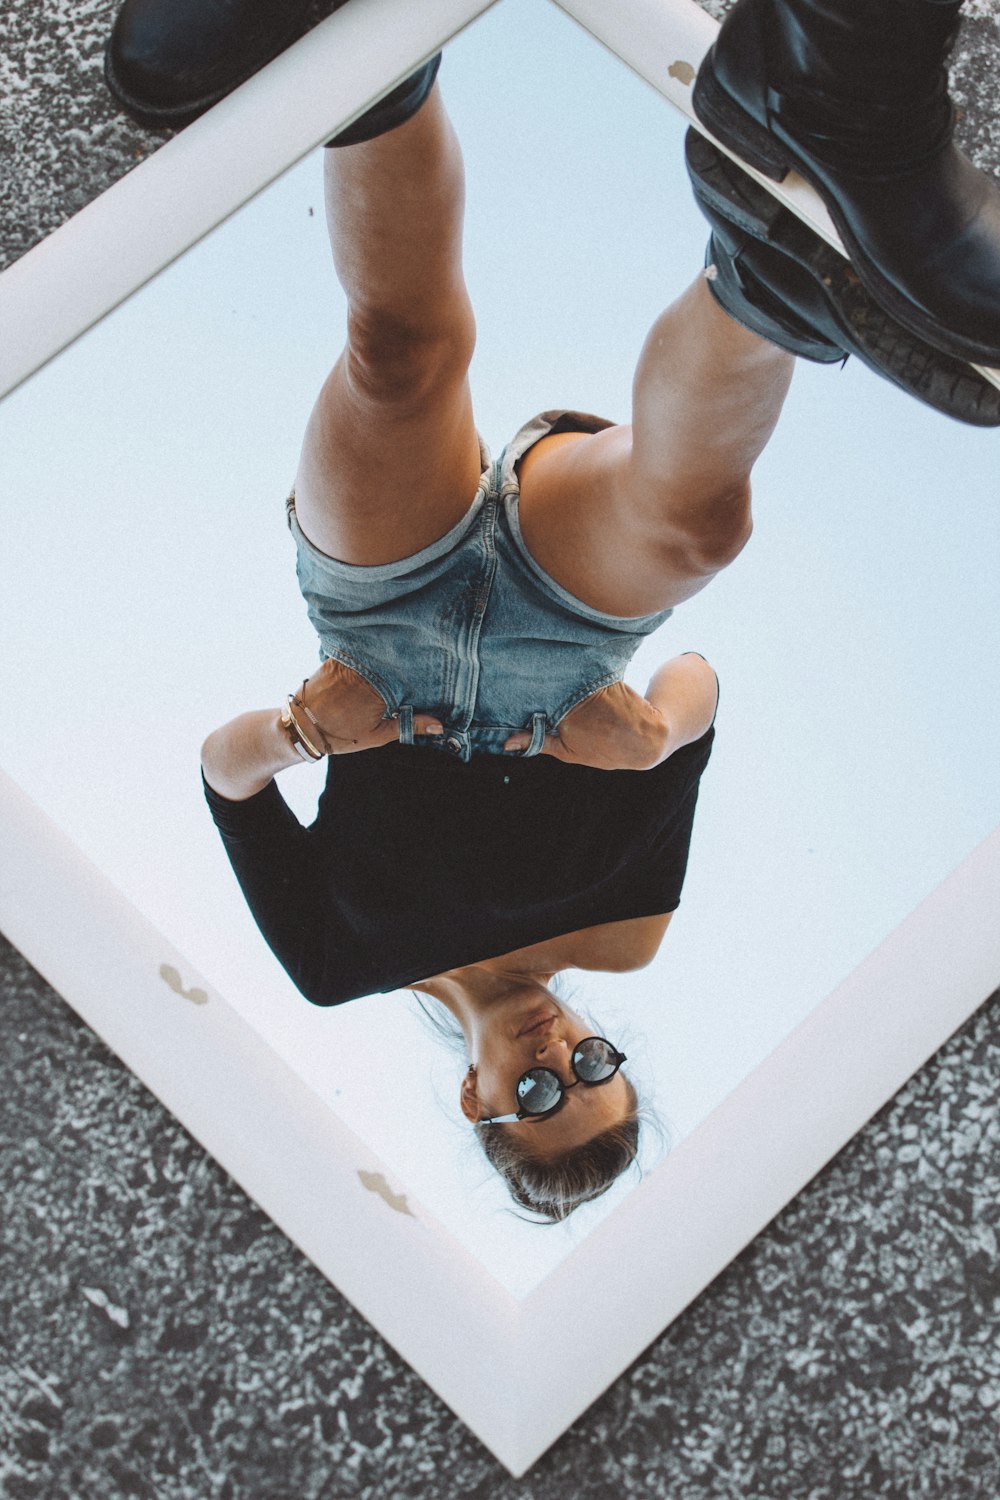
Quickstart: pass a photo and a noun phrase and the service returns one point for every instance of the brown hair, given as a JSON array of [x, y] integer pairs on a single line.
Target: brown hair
[[553, 1188]]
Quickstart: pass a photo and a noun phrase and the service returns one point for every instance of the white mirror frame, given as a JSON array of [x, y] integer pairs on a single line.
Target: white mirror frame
[[464, 1334]]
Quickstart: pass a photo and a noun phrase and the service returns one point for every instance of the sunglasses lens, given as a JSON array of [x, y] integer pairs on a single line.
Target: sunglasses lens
[[595, 1060], [538, 1091]]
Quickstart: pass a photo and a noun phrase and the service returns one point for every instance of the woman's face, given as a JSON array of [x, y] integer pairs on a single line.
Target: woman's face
[[533, 1029]]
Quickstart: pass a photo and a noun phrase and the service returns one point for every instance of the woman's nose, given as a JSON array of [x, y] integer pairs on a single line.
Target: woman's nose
[[551, 1045]]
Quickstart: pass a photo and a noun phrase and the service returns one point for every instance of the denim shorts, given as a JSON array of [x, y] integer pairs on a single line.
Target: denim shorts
[[471, 629]]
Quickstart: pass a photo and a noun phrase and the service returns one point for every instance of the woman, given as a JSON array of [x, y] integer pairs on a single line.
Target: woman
[[518, 810]]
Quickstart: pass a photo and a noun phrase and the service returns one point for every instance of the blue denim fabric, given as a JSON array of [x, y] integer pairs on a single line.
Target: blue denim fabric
[[471, 629]]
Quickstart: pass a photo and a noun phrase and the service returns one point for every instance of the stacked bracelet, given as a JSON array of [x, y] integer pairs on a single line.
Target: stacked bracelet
[[300, 702], [300, 742]]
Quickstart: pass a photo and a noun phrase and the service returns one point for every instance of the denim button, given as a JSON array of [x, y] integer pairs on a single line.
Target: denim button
[[453, 744]]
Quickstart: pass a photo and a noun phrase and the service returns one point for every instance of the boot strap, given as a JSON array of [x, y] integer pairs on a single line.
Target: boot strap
[[869, 138]]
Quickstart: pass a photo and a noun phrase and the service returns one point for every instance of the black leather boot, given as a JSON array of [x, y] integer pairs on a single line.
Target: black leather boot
[[168, 61], [396, 108], [853, 94], [776, 277]]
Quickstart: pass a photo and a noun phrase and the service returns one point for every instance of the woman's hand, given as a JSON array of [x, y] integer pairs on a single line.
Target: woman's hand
[[346, 714], [616, 730], [240, 758], [613, 730]]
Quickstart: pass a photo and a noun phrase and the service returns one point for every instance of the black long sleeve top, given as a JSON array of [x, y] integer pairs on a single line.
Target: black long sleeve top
[[417, 863]]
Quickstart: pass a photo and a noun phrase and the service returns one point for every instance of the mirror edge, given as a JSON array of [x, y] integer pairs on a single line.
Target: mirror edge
[[166, 204]]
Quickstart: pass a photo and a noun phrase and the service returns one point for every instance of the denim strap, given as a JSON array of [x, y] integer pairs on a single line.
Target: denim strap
[[405, 717], [538, 722]]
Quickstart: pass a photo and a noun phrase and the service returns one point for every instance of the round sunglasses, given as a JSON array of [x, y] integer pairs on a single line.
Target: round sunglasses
[[541, 1092]]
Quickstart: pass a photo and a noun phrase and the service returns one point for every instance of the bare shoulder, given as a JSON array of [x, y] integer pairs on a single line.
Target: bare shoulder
[[619, 946]]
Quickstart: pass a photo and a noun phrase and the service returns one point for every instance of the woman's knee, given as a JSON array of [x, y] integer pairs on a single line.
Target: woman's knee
[[715, 533], [399, 361]]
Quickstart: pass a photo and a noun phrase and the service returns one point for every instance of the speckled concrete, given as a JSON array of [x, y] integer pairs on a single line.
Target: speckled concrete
[[62, 138], [160, 1338], [62, 141]]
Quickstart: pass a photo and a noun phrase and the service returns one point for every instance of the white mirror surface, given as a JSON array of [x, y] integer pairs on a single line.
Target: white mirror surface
[[148, 593]]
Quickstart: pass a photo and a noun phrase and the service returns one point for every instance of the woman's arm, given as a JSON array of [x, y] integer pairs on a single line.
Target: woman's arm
[[286, 879], [241, 757], [335, 710]]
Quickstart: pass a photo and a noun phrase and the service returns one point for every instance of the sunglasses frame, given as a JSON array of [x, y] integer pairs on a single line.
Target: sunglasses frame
[[590, 1083]]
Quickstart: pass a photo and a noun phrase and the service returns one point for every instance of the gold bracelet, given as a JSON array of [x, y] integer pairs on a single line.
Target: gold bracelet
[[300, 743], [300, 702]]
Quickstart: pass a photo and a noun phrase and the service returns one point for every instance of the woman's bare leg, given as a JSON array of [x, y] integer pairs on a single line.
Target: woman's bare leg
[[390, 459], [638, 518]]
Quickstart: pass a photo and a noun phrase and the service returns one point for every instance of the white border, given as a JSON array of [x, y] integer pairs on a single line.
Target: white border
[[465, 1335]]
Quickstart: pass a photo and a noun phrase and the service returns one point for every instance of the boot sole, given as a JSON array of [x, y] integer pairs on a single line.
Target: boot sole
[[731, 198], [730, 123]]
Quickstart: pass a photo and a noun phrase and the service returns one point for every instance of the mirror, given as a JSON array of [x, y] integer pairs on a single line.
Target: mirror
[[149, 594]]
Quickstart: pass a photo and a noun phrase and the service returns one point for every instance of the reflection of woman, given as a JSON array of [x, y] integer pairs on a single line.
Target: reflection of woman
[[520, 810]]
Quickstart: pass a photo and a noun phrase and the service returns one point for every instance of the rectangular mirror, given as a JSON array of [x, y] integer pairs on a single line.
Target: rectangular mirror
[[149, 594]]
